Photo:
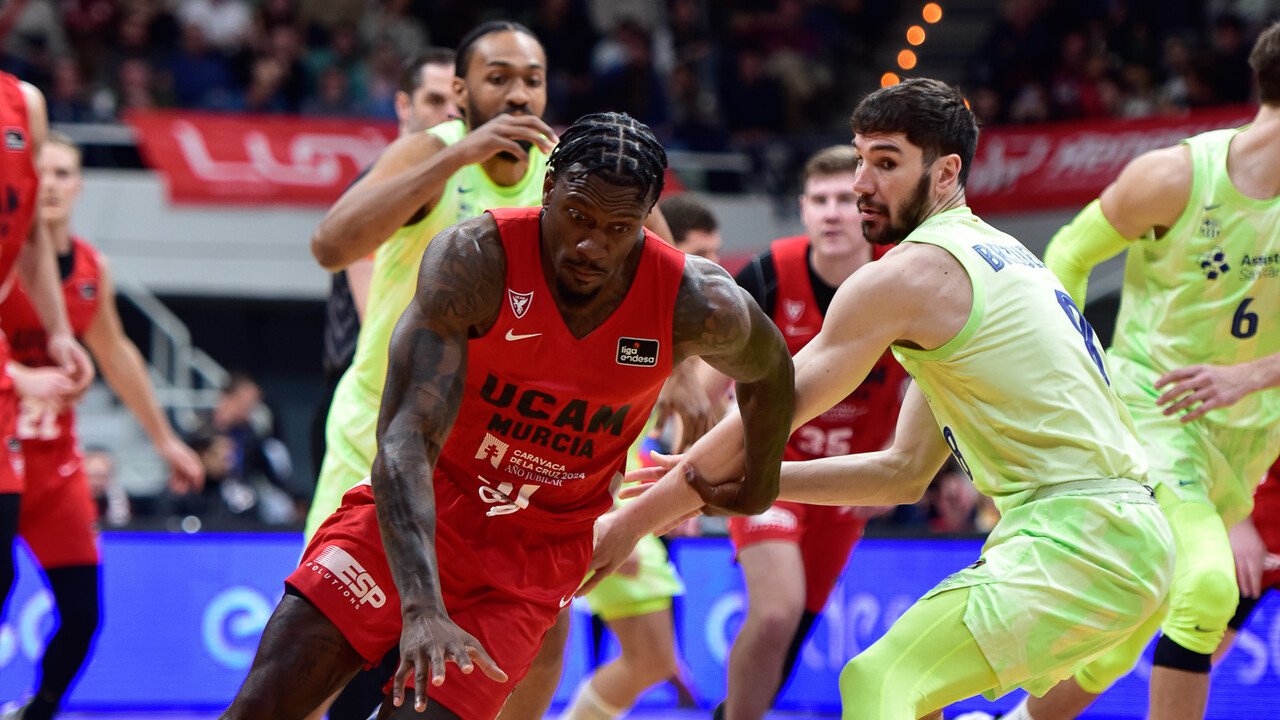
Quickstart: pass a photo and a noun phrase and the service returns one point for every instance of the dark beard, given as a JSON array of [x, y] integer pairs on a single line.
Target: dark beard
[[509, 156], [912, 213]]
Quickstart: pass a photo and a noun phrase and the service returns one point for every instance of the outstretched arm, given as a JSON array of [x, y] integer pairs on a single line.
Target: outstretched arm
[[1149, 195], [459, 291], [918, 295], [893, 476], [124, 370]]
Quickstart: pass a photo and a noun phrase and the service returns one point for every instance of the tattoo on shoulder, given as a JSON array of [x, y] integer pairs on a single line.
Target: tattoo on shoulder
[[463, 274], [711, 316]]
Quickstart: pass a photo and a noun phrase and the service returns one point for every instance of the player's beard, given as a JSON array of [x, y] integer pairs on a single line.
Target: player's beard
[[907, 218]]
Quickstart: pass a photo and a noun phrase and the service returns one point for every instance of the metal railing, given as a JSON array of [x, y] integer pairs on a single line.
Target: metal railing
[[186, 379]]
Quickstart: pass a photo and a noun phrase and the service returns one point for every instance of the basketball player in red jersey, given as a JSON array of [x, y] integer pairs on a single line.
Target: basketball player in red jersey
[[792, 554], [24, 246], [1255, 543], [521, 372], [58, 514]]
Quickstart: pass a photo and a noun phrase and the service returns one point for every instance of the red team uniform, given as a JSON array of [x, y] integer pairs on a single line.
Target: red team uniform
[[1266, 518], [533, 458], [58, 514], [18, 186], [862, 422]]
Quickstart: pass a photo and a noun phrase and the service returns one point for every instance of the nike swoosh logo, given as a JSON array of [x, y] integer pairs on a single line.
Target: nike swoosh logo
[[566, 600], [1215, 206], [511, 335], [1184, 483]]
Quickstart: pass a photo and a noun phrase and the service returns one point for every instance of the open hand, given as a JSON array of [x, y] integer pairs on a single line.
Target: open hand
[[426, 644], [1201, 388]]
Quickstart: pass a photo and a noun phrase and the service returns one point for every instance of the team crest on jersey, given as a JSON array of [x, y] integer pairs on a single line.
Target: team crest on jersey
[[88, 290], [793, 309], [14, 139], [1214, 263], [1210, 228], [520, 302]]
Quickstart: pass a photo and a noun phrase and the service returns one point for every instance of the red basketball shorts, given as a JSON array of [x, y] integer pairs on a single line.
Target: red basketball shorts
[[824, 534], [502, 582]]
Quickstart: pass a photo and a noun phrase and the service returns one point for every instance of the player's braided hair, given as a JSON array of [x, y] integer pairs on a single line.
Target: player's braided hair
[[617, 147]]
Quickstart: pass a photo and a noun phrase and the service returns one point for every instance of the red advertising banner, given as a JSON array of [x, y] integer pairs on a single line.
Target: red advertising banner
[[257, 159], [247, 159], [1065, 165]]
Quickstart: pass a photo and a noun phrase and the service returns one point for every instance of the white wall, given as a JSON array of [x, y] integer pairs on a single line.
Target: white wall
[[264, 252]]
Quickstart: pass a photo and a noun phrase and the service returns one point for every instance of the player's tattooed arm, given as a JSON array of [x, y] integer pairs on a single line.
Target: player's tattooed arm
[[458, 296], [719, 321]]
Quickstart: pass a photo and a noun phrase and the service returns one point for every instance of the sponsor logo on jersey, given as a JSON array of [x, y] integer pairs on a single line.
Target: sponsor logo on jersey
[[637, 352], [492, 449], [342, 571], [538, 409], [520, 302], [1258, 267], [1214, 263], [14, 139], [775, 518]]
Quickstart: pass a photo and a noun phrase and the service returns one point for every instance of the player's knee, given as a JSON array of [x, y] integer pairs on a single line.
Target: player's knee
[[861, 686], [776, 625], [1203, 606]]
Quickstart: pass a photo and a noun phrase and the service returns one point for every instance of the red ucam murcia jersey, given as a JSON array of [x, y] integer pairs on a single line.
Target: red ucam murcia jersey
[[862, 422], [546, 418], [18, 180], [28, 341]]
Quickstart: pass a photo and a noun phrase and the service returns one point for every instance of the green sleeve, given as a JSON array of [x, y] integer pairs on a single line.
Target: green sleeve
[[1081, 244]]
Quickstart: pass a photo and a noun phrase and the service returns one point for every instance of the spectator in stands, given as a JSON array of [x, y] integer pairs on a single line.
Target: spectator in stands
[[1229, 53], [753, 111], [570, 38], [226, 24], [332, 97], [201, 75], [31, 36], [345, 54], [630, 83], [952, 501], [391, 23], [114, 506], [68, 100], [258, 457]]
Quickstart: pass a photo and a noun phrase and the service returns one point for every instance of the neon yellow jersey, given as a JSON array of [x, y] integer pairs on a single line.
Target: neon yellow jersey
[[467, 194], [1022, 392], [1206, 292]]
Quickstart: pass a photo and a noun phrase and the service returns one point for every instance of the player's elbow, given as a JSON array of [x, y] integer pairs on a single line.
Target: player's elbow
[[326, 250]]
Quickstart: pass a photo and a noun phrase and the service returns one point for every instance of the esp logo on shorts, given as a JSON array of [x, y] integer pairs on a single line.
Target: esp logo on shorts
[[637, 352], [360, 585]]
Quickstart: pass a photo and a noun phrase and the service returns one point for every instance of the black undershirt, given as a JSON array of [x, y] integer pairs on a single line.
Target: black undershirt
[[760, 279]]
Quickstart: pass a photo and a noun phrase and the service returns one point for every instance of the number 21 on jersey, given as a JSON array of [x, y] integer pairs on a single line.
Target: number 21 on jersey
[[38, 420]]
